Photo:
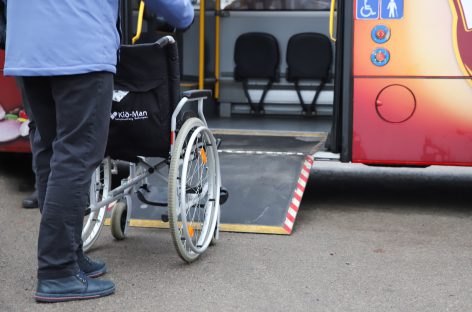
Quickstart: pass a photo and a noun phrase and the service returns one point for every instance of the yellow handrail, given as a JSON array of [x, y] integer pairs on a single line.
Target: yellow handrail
[[201, 61], [331, 20], [139, 27]]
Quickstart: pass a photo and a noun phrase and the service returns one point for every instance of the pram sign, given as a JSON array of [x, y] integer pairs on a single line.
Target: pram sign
[[392, 9]]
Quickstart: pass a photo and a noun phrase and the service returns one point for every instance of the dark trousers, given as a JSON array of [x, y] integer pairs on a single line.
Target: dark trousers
[[72, 115], [26, 106]]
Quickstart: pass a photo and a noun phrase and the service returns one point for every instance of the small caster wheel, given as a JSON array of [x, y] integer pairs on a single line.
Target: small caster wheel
[[118, 220]]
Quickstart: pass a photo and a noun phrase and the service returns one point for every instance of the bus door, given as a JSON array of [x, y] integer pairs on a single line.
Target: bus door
[[407, 87], [282, 19]]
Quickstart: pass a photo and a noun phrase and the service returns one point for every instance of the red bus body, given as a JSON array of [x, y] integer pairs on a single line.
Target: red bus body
[[11, 103], [417, 108]]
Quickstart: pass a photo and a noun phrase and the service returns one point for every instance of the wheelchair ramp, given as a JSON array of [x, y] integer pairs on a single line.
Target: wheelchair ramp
[[265, 174]]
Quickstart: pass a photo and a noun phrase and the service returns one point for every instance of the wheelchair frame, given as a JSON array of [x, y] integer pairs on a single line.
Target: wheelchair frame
[[138, 178]]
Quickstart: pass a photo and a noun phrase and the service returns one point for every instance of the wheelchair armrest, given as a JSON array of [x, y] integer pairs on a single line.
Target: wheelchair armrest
[[196, 94]]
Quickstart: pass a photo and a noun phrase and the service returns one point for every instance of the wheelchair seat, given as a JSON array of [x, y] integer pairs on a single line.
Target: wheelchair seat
[[147, 89]]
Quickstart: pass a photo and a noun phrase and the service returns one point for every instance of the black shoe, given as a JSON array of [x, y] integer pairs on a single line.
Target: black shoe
[[31, 201], [91, 268], [76, 287]]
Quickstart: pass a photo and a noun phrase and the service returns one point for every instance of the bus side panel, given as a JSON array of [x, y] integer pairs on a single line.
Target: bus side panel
[[412, 121], [412, 92], [10, 100]]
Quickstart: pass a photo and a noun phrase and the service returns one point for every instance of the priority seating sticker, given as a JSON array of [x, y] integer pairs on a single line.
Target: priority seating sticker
[[380, 9]]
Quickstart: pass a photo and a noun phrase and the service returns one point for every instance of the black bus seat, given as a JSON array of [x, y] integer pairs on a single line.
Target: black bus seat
[[256, 56], [309, 57]]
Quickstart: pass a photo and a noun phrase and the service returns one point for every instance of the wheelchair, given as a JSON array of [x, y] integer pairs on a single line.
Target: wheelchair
[[181, 151]]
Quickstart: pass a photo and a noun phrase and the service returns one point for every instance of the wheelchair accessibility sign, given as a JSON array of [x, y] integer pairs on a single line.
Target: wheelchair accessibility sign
[[375, 9], [368, 9]]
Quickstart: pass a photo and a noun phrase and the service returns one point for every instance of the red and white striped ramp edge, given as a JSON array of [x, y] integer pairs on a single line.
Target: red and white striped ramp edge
[[298, 194]]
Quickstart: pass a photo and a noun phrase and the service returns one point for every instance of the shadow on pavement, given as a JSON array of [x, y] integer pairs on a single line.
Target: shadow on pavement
[[443, 190]]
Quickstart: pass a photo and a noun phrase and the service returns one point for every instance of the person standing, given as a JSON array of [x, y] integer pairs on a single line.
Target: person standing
[[31, 201], [66, 53]]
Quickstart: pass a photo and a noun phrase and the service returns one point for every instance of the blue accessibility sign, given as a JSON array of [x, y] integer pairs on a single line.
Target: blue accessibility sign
[[367, 9], [392, 9]]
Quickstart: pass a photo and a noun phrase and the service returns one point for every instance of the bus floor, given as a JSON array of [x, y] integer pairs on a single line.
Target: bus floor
[[264, 163], [317, 126]]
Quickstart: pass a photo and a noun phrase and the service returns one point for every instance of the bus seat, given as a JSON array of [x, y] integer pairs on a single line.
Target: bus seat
[[309, 57], [256, 56]]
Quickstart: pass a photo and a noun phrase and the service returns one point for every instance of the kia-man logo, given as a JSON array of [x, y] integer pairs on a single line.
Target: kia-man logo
[[133, 115]]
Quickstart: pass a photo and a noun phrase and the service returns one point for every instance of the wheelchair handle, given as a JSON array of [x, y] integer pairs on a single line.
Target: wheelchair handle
[[162, 42]]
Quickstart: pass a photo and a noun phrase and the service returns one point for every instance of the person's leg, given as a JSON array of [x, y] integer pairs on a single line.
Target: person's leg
[[38, 91], [32, 200], [78, 108], [83, 104]]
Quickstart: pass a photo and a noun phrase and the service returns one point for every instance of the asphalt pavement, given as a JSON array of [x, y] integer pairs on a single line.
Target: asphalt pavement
[[365, 239]]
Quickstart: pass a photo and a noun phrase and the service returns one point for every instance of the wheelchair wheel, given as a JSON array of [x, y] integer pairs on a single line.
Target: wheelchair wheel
[[118, 221], [93, 220], [214, 238], [193, 192]]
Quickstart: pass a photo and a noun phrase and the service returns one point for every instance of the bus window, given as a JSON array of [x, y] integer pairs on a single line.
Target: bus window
[[209, 5], [276, 5]]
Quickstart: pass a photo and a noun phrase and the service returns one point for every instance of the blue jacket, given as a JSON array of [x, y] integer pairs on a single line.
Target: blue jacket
[[66, 37]]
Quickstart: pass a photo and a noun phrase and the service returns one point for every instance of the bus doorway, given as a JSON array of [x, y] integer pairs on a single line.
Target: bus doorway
[[274, 103], [270, 66], [269, 63], [275, 66]]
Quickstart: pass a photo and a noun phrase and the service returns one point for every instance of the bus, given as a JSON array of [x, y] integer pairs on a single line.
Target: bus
[[399, 92]]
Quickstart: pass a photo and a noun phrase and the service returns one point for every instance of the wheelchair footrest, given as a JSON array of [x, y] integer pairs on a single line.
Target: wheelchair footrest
[[142, 198]]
